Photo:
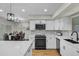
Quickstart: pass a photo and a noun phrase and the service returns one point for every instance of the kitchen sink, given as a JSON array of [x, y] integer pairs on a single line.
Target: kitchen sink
[[72, 41]]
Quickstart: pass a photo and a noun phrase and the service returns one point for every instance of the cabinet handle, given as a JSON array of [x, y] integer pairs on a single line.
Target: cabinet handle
[[47, 40], [64, 47], [28, 50], [77, 51]]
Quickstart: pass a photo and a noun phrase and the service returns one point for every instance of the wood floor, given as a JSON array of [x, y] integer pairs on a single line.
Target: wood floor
[[45, 53]]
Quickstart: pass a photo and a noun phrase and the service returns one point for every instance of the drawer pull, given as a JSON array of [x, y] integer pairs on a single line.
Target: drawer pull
[[64, 47]]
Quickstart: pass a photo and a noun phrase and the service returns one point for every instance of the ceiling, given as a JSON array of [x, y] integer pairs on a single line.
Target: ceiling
[[30, 9]]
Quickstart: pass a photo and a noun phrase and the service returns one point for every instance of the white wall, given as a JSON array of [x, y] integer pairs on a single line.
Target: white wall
[[8, 26], [5, 27]]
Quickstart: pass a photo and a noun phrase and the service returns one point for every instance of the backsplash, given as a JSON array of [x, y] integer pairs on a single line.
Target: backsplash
[[50, 33]]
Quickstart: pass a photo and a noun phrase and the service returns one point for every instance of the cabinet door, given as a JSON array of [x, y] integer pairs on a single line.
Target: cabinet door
[[32, 25], [50, 25], [66, 49], [51, 42], [61, 24], [69, 50], [57, 24], [75, 52], [66, 24], [62, 48], [42, 21]]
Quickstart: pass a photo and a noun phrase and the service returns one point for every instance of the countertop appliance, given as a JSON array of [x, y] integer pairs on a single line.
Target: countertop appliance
[[59, 33], [40, 42]]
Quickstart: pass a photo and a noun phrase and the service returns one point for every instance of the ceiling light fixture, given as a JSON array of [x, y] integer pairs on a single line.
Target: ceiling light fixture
[[1, 10], [45, 10], [10, 15], [23, 10]]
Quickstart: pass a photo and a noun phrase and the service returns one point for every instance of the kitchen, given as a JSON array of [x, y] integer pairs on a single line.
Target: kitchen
[[29, 29]]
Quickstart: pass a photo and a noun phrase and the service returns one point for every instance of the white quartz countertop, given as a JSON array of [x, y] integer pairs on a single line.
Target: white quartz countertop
[[14, 48], [63, 37]]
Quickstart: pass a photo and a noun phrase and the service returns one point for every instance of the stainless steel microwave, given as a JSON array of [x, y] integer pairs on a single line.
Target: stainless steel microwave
[[40, 26]]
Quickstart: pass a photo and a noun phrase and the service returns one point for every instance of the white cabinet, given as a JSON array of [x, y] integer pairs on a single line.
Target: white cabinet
[[67, 24], [57, 24], [65, 49], [62, 48], [63, 24], [50, 42], [29, 51], [50, 25], [75, 52], [68, 49], [32, 25]]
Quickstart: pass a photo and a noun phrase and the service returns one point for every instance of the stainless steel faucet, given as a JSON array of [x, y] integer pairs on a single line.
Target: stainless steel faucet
[[76, 35]]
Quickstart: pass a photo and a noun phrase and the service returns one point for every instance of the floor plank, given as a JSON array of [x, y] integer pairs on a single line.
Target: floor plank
[[45, 53]]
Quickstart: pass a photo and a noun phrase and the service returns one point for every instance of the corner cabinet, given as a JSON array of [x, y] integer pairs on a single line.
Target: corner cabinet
[[66, 23], [63, 24]]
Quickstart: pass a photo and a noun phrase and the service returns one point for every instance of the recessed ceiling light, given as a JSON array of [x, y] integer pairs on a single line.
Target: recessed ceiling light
[[23, 10], [45, 10], [1, 10]]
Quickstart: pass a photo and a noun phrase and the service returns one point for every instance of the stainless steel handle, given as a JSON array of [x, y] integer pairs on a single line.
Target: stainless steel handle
[[46, 40], [64, 47]]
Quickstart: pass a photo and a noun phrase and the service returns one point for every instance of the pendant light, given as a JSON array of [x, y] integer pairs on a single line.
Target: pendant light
[[10, 15]]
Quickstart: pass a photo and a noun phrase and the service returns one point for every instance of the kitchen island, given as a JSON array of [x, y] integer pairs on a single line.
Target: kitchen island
[[16, 48]]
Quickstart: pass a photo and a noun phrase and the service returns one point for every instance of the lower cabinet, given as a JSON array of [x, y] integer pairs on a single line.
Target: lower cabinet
[[75, 52], [51, 42], [29, 51], [68, 50], [63, 48]]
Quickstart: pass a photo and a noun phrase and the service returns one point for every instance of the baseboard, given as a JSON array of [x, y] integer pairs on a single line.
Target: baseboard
[[51, 49], [48, 49]]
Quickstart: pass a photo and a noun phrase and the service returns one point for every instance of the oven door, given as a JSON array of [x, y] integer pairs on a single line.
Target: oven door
[[40, 44]]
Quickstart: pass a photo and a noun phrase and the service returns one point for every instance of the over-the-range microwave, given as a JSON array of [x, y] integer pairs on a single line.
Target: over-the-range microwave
[[40, 26]]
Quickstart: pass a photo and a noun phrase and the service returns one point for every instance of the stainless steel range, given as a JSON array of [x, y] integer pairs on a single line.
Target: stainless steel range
[[40, 42]]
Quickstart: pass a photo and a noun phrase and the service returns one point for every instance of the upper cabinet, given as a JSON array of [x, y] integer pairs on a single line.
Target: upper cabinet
[[64, 23], [57, 24], [34, 22], [50, 25], [67, 24], [32, 25]]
